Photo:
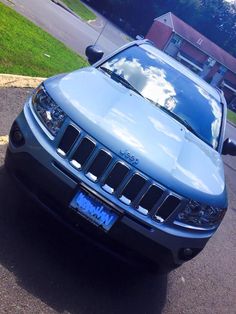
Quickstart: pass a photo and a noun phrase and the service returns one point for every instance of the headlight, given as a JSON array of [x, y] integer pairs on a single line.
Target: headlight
[[51, 115], [201, 216]]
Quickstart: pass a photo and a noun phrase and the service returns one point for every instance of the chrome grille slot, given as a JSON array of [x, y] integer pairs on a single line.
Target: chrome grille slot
[[115, 177], [82, 153], [68, 140], [149, 199], [167, 207], [99, 165], [132, 189]]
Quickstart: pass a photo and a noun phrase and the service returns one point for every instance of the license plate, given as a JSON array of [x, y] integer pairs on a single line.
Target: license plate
[[93, 210]]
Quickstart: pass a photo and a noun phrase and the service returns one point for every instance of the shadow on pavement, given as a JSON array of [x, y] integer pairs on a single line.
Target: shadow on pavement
[[62, 270]]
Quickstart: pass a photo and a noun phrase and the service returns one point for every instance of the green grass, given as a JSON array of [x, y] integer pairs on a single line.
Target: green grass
[[231, 116], [25, 48], [80, 9]]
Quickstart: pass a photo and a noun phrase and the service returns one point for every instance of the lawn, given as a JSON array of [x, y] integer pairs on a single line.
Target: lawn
[[28, 50], [231, 116], [80, 9]]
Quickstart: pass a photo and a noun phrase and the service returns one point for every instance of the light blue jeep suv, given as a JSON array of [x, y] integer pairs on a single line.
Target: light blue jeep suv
[[127, 152]]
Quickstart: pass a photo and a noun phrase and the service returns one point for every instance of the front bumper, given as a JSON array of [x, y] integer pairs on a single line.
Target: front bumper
[[37, 166]]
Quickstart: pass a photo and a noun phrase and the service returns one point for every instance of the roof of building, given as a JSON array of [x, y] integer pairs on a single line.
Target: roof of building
[[202, 43]]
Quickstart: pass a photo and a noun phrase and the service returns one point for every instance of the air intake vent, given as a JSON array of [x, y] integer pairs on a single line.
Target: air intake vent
[[68, 139], [99, 165], [132, 189], [115, 177], [82, 153], [167, 208]]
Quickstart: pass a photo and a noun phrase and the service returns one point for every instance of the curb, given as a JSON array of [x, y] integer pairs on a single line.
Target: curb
[[20, 81], [63, 6], [231, 123]]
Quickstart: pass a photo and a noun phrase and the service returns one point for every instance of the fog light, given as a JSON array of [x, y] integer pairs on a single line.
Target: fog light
[[16, 135], [188, 252]]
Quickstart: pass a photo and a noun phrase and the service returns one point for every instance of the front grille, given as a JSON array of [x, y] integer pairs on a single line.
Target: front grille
[[82, 153], [166, 208], [128, 185], [150, 199], [132, 189], [68, 139], [115, 177], [99, 165]]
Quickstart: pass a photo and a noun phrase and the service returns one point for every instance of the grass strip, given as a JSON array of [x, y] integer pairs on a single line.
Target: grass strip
[[231, 116], [80, 9], [26, 49]]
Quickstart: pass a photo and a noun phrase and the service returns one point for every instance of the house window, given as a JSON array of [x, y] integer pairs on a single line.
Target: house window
[[210, 62], [222, 70], [176, 40]]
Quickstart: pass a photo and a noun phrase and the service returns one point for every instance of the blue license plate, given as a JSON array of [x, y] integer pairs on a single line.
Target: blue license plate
[[93, 210]]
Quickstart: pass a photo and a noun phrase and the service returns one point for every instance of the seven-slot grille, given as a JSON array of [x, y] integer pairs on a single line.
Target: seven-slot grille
[[115, 176]]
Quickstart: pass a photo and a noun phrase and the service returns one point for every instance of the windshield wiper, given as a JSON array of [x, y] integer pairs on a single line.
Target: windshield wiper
[[179, 119], [182, 121], [118, 78]]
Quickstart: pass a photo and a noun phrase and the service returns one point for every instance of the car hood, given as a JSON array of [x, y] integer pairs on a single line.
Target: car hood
[[124, 121]]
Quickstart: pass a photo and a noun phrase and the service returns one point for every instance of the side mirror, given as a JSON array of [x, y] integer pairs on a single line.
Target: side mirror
[[93, 53], [229, 147]]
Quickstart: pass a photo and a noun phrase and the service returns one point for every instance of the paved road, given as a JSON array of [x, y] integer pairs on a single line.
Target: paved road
[[75, 33], [45, 269]]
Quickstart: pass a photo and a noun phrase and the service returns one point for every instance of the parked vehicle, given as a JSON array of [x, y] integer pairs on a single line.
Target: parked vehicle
[[127, 152]]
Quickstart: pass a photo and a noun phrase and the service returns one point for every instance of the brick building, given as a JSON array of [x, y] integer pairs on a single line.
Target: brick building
[[184, 43]]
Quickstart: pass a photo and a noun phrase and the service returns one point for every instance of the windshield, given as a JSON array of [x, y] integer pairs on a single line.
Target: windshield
[[168, 89]]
